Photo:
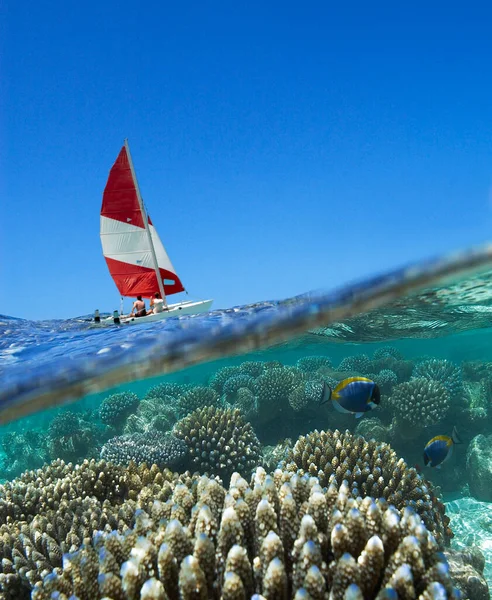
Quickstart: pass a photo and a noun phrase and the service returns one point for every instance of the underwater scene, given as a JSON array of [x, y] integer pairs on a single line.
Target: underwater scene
[[348, 461]]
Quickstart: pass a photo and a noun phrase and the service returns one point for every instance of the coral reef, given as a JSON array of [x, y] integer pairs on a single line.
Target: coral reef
[[373, 429], [387, 352], [23, 451], [371, 469], [272, 391], [219, 378], [53, 510], [467, 569], [479, 467], [150, 447], [154, 413], [75, 436], [419, 403], [254, 368], [197, 397], [305, 394], [386, 379], [443, 371], [246, 402], [281, 537], [361, 363], [235, 383], [116, 408], [313, 363], [220, 441], [471, 521]]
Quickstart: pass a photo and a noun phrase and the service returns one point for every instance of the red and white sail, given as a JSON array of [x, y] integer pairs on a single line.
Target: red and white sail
[[134, 257]]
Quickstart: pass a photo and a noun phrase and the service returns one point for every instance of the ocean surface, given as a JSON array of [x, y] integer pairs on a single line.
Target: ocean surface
[[240, 389]]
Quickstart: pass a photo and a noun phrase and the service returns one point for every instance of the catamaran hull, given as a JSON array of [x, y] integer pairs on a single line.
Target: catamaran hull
[[191, 307]]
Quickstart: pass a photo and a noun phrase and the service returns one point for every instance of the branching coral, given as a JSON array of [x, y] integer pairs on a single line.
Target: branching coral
[[273, 389], [73, 436], [154, 413], [281, 537], [116, 408], [306, 394], [358, 362], [197, 397], [253, 368], [443, 371], [235, 383], [419, 403], [52, 511], [151, 447], [26, 450], [219, 378], [162, 390], [313, 363], [220, 441], [387, 351], [385, 379], [371, 469]]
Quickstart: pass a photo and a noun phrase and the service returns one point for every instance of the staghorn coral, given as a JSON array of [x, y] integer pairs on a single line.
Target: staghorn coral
[[443, 371], [419, 403], [220, 441], [313, 363], [116, 408], [371, 469], [151, 447], [280, 537]]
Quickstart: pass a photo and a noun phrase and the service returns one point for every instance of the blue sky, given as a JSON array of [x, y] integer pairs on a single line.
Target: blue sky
[[280, 147]]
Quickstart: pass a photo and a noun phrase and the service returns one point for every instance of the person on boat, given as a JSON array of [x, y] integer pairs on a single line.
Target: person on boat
[[156, 304], [138, 308]]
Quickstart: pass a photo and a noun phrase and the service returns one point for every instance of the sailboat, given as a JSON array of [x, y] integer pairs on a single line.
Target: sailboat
[[135, 256]]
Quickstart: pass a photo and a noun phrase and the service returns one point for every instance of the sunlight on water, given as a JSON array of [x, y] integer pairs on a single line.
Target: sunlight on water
[[299, 520]]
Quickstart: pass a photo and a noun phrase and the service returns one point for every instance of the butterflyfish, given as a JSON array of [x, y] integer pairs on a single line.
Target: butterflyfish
[[440, 449], [354, 395]]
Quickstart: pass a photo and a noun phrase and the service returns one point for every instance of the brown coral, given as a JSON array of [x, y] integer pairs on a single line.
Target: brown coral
[[371, 469], [281, 537], [51, 511]]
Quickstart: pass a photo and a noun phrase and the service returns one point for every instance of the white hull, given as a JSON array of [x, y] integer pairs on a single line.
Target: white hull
[[191, 307]]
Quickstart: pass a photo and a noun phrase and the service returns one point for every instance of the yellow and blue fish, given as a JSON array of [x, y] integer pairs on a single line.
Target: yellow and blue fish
[[440, 449], [354, 395]]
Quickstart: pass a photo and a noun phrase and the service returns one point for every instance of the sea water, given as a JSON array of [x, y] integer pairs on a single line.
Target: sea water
[[73, 391]]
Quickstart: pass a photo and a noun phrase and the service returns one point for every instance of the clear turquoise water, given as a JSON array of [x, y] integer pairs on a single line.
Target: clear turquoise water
[[448, 323]]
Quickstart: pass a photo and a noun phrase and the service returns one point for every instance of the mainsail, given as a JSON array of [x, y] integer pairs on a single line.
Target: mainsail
[[134, 254]]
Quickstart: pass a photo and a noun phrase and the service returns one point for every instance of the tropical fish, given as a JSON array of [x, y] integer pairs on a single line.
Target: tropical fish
[[440, 448], [353, 395]]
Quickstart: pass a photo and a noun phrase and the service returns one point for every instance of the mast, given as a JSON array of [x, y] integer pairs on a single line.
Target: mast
[[146, 224]]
